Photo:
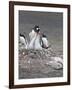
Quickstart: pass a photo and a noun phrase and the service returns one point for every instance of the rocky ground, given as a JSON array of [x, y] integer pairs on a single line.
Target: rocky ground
[[44, 63]]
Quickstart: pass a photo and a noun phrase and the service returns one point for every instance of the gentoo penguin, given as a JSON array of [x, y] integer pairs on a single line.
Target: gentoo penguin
[[44, 41], [32, 34], [35, 38], [34, 31], [37, 44], [22, 40]]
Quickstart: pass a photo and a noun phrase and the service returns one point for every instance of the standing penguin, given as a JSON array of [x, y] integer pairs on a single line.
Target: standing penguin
[[34, 31], [35, 38], [44, 41], [23, 41]]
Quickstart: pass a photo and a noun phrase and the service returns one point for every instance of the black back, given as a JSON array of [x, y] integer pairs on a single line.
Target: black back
[[43, 35], [22, 35]]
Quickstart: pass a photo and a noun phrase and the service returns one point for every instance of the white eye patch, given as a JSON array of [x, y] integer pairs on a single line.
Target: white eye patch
[[37, 28]]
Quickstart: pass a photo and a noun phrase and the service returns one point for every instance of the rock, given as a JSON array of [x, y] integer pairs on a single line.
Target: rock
[[56, 62]]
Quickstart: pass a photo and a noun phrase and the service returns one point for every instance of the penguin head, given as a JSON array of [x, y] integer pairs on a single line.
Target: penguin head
[[22, 35], [36, 28], [44, 36]]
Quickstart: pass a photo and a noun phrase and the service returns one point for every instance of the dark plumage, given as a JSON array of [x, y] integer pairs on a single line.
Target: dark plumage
[[36, 28], [44, 41], [43, 35], [21, 35]]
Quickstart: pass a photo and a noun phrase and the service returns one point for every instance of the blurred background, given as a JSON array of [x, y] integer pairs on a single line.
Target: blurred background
[[50, 23]]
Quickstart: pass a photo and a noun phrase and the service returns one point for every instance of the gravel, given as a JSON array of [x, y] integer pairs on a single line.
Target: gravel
[[44, 63]]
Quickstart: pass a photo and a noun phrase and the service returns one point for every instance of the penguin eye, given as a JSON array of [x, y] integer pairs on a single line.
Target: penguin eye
[[37, 28]]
